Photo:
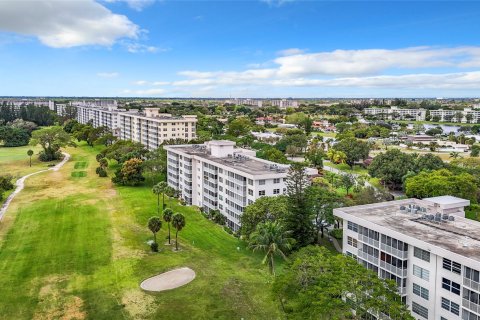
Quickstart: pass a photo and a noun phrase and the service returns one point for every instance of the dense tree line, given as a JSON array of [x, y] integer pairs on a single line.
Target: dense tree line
[[41, 115]]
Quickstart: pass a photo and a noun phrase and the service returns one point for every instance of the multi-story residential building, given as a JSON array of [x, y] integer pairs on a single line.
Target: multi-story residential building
[[466, 115], [284, 103], [150, 127], [397, 113], [426, 246], [246, 102], [217, 175]]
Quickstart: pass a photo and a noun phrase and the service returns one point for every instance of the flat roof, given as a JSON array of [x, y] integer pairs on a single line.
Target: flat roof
[[446, 200], [461, 236], [247, 164]]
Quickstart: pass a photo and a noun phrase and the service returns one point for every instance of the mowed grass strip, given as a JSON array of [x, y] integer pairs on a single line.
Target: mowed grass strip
[[81, 164]]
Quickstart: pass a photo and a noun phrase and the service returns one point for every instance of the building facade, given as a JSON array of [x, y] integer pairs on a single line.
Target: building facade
[[217, 175], [284, 103], [150, 127], [426, 246], [397, 113]]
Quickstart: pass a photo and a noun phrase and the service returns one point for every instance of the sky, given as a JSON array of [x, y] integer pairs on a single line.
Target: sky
[[250, 48]]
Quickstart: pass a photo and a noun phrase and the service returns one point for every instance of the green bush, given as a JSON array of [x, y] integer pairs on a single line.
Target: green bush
[[337, 233], [101, 172], [228, 230], [154, 246]]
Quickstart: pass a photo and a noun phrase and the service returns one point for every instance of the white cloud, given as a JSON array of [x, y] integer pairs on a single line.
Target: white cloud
[[146, 92], [290, 52], [135, 47], [65, 24], [108, 74], [138, 5], [160, 83], [374, 68], [140, 83], [373, 61]]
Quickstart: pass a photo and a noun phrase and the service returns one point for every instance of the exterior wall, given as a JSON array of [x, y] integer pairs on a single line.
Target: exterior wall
[[415, 114], [211, 185], [434, 266], [150, 131]]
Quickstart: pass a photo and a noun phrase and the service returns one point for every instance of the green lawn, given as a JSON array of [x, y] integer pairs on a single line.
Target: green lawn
[[15, 161], [76, 249]]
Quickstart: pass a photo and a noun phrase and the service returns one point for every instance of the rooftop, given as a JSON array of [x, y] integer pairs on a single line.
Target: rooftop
[[239, 160], [461, 236]]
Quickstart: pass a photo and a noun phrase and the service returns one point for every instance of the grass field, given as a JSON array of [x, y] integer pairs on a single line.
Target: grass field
[[76, 249], [15, 161]]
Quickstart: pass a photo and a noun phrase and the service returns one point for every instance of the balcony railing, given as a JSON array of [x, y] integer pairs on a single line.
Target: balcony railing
[[471, 284], [368, 240], [397, 253], [398, 271], [365, 256]]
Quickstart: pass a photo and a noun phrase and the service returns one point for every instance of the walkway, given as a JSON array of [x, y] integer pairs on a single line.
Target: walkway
[[20, 183]]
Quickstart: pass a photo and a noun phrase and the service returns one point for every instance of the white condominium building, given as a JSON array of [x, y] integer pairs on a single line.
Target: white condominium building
[[217, 175], [426, 246], [284, 103], [396, 112], [466, 115], [150, 127]]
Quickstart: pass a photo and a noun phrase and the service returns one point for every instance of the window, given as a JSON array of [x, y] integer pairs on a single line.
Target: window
[[421, 273], [420, 310], [261, 192], [467, 315], [420, 291], [471, 296], [451, 286], [352, 226], [220, 179], [471, 274], [250, 182], [276, 191], [250, 201], [220, 170], [250, 192], [421, 254], [450, 306], [352, 242], [276, 180], [261, 182], [455, 267], [220, 188]]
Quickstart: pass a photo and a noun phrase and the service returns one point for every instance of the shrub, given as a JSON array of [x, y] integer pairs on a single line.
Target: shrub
[[337, 233], [101, 172], [227, 230], [6, 182], [154, 246], [44, 157]]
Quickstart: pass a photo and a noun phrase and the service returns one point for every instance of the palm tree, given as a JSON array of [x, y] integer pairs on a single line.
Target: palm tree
[[158, 189], [454, 155], [30, 154], [154, 224], [271, 238], [167, 217], [178, 222]]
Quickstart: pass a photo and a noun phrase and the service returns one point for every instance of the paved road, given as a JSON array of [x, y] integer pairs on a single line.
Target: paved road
[[20, 183]]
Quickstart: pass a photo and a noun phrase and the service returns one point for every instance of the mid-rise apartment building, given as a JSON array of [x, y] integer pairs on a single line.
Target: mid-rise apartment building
[[284, 103], [426, 246], [150, 127], [397, 113], [217, 175], [466, 115]]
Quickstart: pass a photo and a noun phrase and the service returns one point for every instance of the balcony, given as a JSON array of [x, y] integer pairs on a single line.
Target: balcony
[[470, 305], [367, 257], [391, 268], [397, 253], [368, 240], [471, 284]]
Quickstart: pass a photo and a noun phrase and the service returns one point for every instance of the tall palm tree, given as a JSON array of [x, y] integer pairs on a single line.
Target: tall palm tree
[[271, 238], [454, 155], [178, 222], [30, 154], [159, 189], [167, 217], [154, 224]]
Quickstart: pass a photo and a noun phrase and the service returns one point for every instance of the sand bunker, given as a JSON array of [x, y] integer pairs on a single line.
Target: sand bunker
[[168, 280]]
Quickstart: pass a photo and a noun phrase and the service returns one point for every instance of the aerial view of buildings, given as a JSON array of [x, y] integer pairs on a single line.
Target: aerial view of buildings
[[266, 159]]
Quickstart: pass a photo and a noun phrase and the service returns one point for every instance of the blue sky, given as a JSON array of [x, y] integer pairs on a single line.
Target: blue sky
[[240, 48]]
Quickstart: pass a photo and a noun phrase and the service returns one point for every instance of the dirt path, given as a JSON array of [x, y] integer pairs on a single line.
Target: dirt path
[[20, 183]]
